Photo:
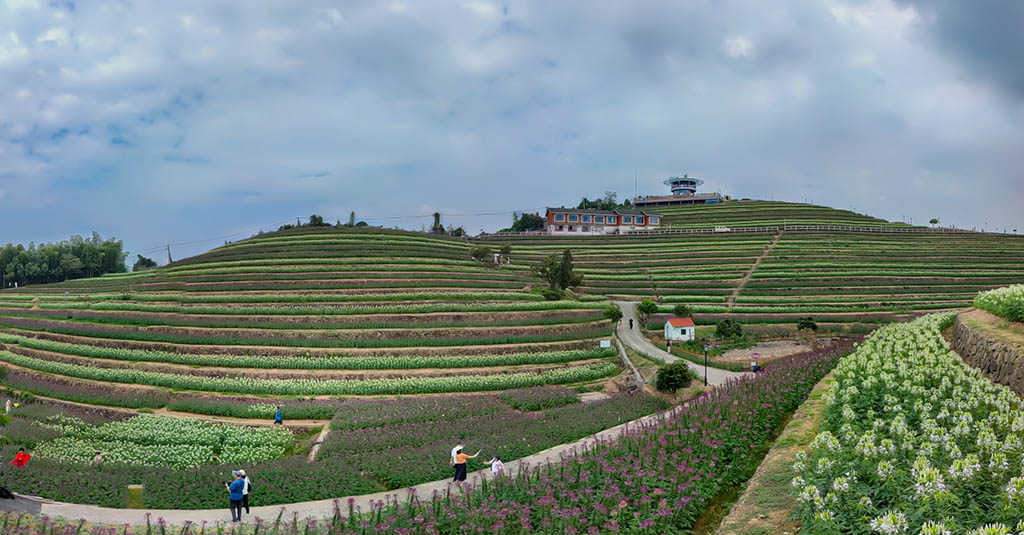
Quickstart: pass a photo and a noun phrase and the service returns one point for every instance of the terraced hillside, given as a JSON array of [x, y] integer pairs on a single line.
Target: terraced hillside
[[841, 278], [749, 213], [307, 312]]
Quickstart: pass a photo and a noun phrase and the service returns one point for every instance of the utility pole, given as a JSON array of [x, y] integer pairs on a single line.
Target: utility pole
[[169, 254], [636, 192]]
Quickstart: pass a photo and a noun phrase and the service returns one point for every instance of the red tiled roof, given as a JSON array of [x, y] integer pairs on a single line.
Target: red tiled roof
[[681, 322]]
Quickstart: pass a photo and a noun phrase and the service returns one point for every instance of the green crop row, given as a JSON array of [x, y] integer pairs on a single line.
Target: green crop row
[[308, 362], [421, 308], [312, 387], [172, 321], [146, 336]]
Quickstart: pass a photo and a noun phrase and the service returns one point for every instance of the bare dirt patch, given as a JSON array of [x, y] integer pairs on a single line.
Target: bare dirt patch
[[768, 351], [999, 328]]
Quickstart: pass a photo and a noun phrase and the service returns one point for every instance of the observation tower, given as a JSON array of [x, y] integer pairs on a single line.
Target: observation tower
[[683, 185]]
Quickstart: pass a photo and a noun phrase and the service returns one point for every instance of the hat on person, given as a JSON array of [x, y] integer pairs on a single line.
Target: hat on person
[[241, 473], [236, 473]]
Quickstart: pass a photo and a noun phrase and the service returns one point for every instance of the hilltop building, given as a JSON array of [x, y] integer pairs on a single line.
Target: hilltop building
[[572, 221], [684, 191]]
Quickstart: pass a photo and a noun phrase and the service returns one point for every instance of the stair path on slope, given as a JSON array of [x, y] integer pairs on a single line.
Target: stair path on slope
[[731, 300]]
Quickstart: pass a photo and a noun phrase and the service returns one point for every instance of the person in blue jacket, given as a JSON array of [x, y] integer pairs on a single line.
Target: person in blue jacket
[[278, 417], [235, 492]]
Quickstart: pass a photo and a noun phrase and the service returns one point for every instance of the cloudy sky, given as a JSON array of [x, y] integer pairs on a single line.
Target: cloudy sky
[[161, 122]]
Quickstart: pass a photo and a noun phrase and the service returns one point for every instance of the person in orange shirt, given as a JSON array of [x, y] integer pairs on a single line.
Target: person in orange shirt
[[21, 459], [460, 464]]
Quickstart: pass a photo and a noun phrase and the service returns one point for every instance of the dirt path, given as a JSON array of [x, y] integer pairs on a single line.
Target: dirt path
[[319, 442], [766, 505], [731, 300]]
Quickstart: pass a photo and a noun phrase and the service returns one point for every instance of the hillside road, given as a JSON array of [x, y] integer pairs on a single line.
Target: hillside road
[[634, 339]]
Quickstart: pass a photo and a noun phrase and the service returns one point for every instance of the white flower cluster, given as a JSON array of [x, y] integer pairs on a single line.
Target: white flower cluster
[[1007, 302], [163, 441], [909, 433]]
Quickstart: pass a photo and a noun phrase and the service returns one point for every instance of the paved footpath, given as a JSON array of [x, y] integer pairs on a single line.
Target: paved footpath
[[635, 339], [315, 509]]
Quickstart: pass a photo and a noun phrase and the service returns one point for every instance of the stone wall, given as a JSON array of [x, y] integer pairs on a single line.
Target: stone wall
[[1000, 362]]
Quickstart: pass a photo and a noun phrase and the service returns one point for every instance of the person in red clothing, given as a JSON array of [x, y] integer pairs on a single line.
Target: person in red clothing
[[21, 459]]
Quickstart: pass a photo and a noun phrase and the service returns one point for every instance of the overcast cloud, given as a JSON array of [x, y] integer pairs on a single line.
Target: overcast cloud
[[176, 121]]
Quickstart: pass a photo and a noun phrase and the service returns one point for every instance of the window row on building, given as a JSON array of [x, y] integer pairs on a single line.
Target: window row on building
[[573, 221]]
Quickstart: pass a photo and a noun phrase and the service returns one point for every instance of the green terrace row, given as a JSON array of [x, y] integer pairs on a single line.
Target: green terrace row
[[469, 336], [313, 322], [313, 387], [807, 309], [309, 361], [317, 310]]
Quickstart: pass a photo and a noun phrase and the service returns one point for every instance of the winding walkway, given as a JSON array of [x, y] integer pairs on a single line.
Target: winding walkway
[[635, 339]]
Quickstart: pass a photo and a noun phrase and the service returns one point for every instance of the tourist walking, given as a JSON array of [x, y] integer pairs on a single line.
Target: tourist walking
[[278, 417], [451, 461], [20, 459], [630, 323], [235, 496], [460, 464], [497, 467], [246, 491], [97, 460]]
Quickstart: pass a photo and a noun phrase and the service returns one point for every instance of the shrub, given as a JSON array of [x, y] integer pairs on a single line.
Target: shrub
[[613, 313], [645, 309], [728, 328], [673, 377], [1015, 311], [682, 311], [481, 253], [551, 294], [806, 324]]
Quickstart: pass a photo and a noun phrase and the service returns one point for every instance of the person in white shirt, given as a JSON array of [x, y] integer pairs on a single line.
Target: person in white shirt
[[245, 491], [497, 467], [451, 461]]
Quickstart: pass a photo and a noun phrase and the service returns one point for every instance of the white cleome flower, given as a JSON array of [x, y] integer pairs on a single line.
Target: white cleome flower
[[891, 523]]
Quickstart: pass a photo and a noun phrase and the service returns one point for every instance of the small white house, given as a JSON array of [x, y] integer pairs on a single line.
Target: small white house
[[681, 329]]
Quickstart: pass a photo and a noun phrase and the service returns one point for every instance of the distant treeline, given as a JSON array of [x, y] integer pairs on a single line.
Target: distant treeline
[[54, 262]]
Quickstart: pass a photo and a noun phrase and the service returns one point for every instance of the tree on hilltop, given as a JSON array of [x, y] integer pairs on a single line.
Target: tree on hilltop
[[558, 273], [141, 264]]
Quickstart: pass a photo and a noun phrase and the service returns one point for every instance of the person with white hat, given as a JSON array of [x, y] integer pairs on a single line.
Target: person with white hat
[[246, 491]]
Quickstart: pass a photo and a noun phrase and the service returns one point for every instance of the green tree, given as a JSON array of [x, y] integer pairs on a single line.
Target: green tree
[[682, 311], [728, 328], [437, 227], [567, 277], [506, 249], [934, 221], [143, 263], [645, 309], [527, 222], [481, 253], [673, 377], [352, 218], [559, 274], [317, 221], [613, 313], [548, 270]]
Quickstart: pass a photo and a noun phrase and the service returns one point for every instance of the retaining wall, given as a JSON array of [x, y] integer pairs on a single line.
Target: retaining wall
[[1001, 362]]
